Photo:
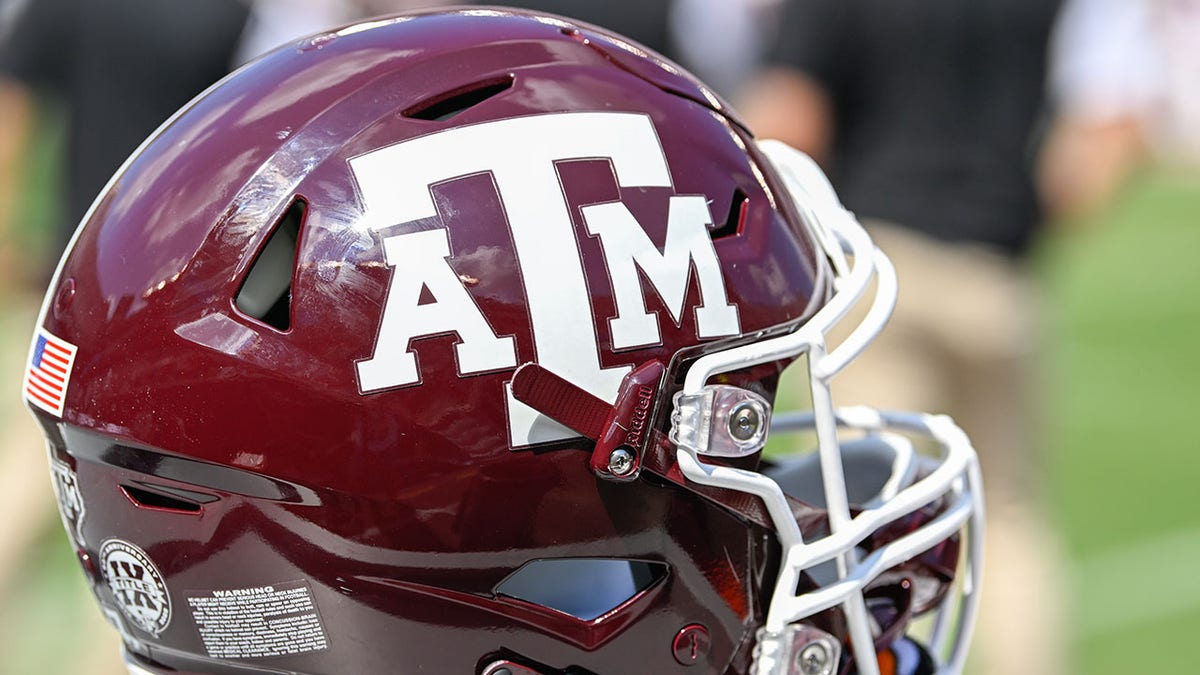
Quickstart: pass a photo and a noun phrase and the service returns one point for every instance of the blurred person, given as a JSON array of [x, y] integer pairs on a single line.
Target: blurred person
[[119, 68], [16, 115], [1108, 84], [1125, 77], [1176, 135], [643, 21], [122, 67], [724, 40], [720, 41], [927, 116]]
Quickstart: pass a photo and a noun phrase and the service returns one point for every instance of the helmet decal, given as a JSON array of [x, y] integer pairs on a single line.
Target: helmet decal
[[48, 373], [137, 585], [274, 620], [520, 154], [70, 500]]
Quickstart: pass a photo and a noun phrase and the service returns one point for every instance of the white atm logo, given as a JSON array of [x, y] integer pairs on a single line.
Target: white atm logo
[[520, 154]]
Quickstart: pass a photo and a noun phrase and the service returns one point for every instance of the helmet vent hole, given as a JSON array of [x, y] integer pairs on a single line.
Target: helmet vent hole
[[442, 108], [266, 294], [585, 588], [738, 205], [148, 499]]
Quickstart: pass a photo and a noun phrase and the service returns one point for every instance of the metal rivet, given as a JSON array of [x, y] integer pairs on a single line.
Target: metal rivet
[[815, 659], [744, 421], [620, 461]]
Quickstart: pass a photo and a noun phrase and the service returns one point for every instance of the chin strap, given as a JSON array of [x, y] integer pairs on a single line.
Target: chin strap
[[621, 431]]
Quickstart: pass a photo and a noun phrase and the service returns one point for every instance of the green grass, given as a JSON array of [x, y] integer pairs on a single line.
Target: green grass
[[49, 604], [1124, 385]]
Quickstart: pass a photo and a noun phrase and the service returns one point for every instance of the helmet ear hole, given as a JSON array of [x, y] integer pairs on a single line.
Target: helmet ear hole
[[266, 294]]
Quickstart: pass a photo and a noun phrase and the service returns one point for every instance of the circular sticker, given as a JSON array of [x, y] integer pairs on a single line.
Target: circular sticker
[[136, 585]]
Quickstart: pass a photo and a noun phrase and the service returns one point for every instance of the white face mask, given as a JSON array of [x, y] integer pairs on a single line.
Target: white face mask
[[707, 421]]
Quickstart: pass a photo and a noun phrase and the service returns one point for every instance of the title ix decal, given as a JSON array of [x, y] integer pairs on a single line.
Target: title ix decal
[[137, 585], [520, 154]]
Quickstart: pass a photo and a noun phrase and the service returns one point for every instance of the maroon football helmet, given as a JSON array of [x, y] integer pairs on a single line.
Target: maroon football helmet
[[448, 343]]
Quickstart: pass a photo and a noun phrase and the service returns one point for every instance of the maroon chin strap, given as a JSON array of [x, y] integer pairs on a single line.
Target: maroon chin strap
[[620, 431]]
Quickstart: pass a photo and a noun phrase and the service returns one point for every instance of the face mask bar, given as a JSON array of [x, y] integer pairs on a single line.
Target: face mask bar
[[785, 646]]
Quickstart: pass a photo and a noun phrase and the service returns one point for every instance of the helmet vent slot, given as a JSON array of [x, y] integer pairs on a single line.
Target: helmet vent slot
[[585, 588], [738, 205], [266, 294], [445, 106], [159, 499]]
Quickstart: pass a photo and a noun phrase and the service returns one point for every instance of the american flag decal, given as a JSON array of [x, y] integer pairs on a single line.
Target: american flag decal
[[49, 372]]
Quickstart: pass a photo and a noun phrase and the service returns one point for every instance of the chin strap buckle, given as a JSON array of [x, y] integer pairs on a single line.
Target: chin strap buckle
[[621, 430], [721, 421]]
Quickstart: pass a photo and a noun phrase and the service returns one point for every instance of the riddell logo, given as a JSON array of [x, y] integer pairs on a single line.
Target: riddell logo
[[136, 585], [637, 425]]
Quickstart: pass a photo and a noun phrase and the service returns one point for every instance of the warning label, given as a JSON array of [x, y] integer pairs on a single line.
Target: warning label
[[244, 623]]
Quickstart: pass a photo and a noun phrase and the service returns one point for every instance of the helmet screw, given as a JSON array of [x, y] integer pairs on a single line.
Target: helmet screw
[[815, 659], [620, 461], [744, 421], [691, 644]]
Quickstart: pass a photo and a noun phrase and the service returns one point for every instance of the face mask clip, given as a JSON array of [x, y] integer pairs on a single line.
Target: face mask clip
[[721, 421], [800, 650]]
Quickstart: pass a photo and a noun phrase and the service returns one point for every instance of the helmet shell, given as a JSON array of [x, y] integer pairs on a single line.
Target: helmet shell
[[236, 454]]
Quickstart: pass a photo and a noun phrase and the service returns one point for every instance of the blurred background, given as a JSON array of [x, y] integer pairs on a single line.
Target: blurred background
[[1081, 119]]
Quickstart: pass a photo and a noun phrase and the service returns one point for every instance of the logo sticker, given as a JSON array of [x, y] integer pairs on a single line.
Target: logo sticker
[[522, 154], [70, 501], [245, 623], [49, 372], [137, 585]]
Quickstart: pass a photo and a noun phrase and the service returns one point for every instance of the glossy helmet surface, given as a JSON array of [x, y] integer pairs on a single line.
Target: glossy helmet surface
[[447, 343]]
